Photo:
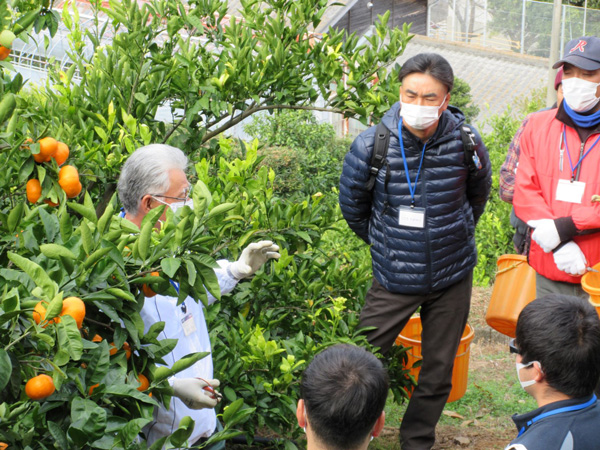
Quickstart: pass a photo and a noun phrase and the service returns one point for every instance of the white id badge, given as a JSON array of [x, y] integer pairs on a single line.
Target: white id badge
[[412, 217], [570, 191], [189, 326]]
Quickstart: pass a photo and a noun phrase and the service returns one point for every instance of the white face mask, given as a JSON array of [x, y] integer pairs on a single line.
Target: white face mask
[[419, 117], [520, 366], [580, 94]]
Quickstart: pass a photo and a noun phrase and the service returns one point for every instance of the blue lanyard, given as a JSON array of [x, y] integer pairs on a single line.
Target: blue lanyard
[[590, 402], [411, 188], [569, 153]]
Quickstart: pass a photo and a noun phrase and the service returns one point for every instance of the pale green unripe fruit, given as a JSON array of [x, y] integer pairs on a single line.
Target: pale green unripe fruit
[[6, 38]]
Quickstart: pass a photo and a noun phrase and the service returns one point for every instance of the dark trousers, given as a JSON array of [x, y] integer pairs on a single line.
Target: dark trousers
[[444, 317]]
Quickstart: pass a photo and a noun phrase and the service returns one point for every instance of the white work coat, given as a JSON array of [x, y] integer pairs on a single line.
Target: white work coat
[[187, 324]]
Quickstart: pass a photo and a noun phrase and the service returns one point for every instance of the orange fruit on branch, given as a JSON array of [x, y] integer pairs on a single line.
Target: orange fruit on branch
[[39, 314], [144, 383], [61, 154], [39, 387], [72, 306], [33, 190], [127, 349], [48, 147], [4, 52], [3, 445], [148, 292], [50, 202], [68, 179]]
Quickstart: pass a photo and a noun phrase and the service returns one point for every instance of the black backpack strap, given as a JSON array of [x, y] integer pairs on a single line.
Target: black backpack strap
[[380, 149], [470, 147]]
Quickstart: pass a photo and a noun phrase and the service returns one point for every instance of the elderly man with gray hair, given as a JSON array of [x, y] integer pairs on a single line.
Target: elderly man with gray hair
[[155, 175]]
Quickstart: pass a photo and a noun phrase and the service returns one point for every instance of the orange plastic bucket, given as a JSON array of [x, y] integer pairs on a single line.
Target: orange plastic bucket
[[410, 336], [513, 289], [590, 282]]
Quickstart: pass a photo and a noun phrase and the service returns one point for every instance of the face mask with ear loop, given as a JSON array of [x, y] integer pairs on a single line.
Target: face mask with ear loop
[[177, 205], [580, 94], [520, 366]]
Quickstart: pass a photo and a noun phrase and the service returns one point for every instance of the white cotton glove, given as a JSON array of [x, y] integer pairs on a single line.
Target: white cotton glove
[[570, 259], [545, 234], [252, 258], [196, 393]]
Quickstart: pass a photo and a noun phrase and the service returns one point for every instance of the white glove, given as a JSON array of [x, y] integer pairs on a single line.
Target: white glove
[[196, 393], [570, 259], [252, 258], [545, 234]]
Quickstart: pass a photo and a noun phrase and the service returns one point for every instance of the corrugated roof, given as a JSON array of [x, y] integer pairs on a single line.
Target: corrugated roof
[[497, 79]]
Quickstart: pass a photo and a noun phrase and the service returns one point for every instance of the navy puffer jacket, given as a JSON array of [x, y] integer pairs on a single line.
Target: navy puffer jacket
[[417, 260]]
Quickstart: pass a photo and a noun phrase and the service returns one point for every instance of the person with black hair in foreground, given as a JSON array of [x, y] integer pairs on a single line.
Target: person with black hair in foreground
[[343, 393], [558, 363]]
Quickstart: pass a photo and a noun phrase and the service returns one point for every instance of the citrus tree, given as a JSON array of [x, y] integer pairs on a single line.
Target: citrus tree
[[77, 366]]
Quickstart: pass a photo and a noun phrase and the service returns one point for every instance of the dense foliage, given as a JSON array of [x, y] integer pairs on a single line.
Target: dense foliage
[[211, 73]]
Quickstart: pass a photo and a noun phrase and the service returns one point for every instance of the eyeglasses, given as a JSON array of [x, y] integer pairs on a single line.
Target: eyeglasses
[[187, 192], [512, 346]]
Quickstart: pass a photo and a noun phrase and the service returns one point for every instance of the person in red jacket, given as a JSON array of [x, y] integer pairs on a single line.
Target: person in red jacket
[[558, 185]]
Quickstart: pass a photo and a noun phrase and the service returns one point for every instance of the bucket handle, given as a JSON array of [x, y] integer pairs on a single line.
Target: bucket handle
[[419, 358], [511, 267]]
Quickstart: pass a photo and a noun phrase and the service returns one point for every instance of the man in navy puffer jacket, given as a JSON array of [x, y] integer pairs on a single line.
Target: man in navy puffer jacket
[[420, 221]]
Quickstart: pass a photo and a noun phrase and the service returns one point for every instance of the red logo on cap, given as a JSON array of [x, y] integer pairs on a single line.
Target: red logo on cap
[[580, 46]]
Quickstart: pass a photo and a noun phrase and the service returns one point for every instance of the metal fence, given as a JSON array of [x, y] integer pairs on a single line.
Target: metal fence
[[521, 26]]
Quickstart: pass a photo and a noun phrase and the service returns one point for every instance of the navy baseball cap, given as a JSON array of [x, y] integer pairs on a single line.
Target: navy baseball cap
[[583, 53]]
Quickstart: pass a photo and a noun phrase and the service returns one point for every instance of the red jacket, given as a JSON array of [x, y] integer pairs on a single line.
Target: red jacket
[[537, 178]]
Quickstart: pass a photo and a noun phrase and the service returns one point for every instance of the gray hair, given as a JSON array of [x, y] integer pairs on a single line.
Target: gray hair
[[146, 171]]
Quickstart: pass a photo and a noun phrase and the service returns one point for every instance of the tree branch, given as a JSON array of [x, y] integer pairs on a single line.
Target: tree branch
[[254, 110]]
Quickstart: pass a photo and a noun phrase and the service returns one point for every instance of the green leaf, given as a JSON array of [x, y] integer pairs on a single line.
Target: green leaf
[[170, 266], [153, 216], [88, 421], [304, 235], [120, 293], [51, 226], [5, 369], [88, 213], [14, 217], [143, 243], [58, 434], [10, 301], [127, 390], [86, 237], [66, 226], [36, 273], [191, 270], [69, 337], [55, 251], [163, 373], [130, 431], [202, 198], [96, 256], [61, 357], [221, 209], [183, 433], [210, 281], [104, 221], [231, 409], [98, 365]]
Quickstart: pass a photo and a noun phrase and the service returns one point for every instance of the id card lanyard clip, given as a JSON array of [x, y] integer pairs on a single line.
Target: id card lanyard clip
[[412, 188]]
